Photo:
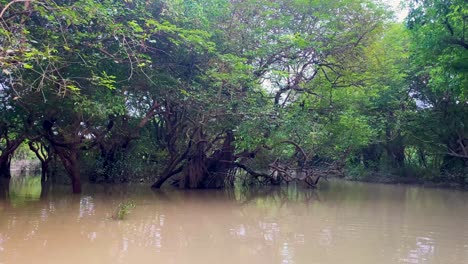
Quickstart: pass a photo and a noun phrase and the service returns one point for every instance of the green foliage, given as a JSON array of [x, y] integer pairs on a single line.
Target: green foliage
[[439, 50], [24, 153], [123, 209], [129, 86]]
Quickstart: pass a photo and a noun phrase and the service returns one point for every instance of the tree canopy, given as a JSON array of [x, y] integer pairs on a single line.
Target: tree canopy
[[193, 92]]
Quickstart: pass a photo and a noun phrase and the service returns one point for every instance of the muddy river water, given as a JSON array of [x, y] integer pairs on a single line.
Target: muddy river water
[[341, 222]]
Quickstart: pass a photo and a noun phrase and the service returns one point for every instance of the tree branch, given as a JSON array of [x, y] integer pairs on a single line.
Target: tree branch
[[11, 3]]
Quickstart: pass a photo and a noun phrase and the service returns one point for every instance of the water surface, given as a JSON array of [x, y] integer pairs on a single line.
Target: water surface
[[341, 222]]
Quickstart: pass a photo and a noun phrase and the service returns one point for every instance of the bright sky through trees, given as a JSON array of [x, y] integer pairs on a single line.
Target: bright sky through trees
[[400, 13]]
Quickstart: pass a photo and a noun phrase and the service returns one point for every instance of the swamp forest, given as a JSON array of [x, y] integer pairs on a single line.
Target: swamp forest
[[200, 94], [157, 130]]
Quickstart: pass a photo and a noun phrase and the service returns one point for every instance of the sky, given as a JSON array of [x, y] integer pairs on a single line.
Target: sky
[[399, 12]]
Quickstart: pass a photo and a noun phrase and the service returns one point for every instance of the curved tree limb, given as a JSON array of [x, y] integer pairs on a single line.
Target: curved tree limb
[[11, 3], [251, 171], [299, 148]]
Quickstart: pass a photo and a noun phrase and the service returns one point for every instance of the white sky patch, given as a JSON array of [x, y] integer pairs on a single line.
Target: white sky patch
[[396, 5]]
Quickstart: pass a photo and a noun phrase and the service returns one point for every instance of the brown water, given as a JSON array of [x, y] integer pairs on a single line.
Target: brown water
[[341, 222]]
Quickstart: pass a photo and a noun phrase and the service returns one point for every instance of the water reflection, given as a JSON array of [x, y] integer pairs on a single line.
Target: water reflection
[[86, 206], [2, 240], [22, 189], [423, 251], [345, 222]]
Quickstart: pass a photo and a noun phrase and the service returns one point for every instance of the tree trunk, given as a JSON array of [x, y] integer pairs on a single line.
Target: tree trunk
[[396, 154], [210, 172], [108, 157], [395, 146], [52, 177], [221, 164], [76, 182], [43, 154], [44, 171], [201, 171], [5, 157], [44, 190], [196, 169], [69, 157], [173, 166], [4, 188], [5, 167], [165, 176]]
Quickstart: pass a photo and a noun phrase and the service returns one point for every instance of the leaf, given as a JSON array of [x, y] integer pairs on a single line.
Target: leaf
[[104, 80]]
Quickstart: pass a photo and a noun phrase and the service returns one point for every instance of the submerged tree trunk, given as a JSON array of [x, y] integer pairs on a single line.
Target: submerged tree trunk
[[165, 176], [170, 133], [4, 188], [199, 170], [175, 160], [221, 164], [74, 173], [210, 172], [7, 154], [52, 177], [44, 171], [69, 157], [43, 154], [44, 190], [5, 167], [196, 168], [195, 172]]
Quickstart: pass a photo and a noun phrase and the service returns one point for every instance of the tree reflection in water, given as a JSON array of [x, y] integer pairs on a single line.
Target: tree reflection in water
[[366, 223]]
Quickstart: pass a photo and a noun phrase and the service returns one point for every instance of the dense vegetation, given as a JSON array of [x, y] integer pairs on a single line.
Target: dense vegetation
[[195, 92]]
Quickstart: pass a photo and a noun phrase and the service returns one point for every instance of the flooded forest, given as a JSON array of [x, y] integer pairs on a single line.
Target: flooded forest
[[185, 131]]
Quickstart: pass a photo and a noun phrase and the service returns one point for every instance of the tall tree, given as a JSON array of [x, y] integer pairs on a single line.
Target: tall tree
[[439, 32]]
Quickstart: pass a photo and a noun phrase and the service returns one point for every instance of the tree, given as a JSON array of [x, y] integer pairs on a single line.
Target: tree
[[438, 30], [12, 129], [205, 87]]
